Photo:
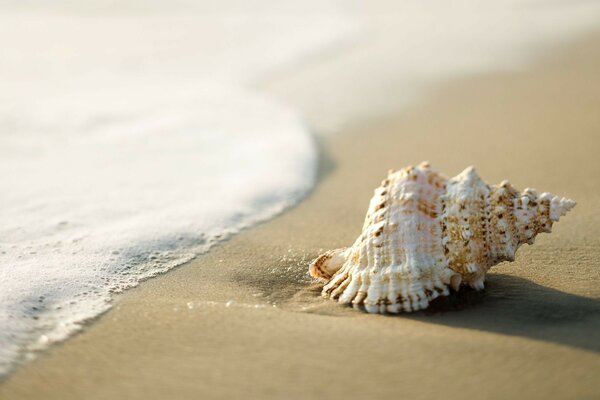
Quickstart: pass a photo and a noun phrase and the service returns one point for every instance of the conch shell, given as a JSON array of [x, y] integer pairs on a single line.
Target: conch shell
[[425, 233]]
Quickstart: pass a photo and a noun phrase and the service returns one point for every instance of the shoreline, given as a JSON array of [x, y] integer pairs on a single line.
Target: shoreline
[[245, 319]]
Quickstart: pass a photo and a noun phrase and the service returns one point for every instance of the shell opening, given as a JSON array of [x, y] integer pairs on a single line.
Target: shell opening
[[327, 264]]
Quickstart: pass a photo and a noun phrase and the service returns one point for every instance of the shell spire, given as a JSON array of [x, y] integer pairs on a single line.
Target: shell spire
[[559, 206], [425, 233]]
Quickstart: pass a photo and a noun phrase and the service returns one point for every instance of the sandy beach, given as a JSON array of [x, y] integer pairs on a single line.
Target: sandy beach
[[245, 320]]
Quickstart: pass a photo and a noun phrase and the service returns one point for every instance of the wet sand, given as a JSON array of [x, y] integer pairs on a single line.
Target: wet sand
[[244, 320]]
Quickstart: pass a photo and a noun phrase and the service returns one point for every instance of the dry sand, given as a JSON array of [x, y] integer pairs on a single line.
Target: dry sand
[[245, 321]]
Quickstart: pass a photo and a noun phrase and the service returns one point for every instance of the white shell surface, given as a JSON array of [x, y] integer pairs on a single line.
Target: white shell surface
[[425, 233]]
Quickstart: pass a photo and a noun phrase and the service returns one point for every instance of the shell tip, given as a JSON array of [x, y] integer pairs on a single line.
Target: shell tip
[[560, 207], [568, 204]]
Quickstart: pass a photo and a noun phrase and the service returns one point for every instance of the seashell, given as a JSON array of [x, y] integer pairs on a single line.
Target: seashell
[[425, 233]]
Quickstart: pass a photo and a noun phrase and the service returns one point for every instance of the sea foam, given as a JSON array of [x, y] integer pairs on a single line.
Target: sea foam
[[96, 200], [131, 143]]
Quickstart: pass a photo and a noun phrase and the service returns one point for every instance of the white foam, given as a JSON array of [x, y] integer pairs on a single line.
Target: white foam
[[128, 145], [93, 202]]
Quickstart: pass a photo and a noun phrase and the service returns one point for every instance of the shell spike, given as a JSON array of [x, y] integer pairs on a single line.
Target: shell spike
[[468, 174], [478, 284], [455, 282], [470, 170]]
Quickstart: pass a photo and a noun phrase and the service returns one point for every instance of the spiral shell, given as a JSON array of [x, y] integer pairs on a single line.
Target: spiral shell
[[425, 233]]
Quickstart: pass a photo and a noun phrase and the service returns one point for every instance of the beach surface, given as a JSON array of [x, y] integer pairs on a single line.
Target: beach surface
[[245, 320]]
